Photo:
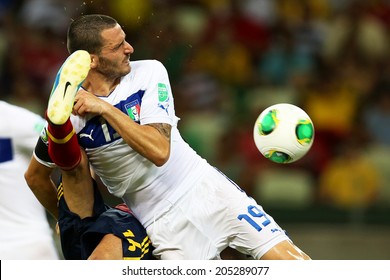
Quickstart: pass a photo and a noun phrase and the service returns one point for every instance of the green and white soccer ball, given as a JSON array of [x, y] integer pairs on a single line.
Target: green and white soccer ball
[[283, 133]]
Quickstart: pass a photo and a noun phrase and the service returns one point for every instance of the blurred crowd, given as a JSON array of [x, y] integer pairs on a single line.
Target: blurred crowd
[[230, 59]]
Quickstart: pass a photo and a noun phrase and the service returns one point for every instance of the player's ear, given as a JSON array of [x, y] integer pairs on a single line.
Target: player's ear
[[94, 61]]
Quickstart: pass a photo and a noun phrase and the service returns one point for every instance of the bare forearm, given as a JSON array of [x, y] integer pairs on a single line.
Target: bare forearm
[[146, 140], [151, 141], [47, 197], [38, 179]]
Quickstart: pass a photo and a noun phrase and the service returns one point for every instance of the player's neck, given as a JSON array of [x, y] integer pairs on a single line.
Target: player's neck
[[100, 86]]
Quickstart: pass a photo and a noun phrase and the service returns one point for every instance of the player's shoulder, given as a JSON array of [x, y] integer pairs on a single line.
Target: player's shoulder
[[8, 107], [17, 114], [146, 64], [144, 73]]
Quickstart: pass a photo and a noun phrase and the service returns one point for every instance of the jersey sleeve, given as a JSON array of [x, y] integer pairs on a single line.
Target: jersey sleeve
[[157, 103]]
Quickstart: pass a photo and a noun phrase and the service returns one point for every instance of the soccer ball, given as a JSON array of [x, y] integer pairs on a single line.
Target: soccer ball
[[283, 133]]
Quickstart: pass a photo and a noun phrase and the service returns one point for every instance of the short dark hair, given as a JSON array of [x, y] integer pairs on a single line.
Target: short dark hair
[[84, 33]]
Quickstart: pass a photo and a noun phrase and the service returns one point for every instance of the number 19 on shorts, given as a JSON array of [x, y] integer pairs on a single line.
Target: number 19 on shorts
[[255, 217]]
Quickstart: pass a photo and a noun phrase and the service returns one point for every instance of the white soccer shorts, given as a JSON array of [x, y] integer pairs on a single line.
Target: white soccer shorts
[[212, 216]]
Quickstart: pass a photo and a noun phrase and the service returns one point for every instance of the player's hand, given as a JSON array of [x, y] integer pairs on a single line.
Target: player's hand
[[88, 103]]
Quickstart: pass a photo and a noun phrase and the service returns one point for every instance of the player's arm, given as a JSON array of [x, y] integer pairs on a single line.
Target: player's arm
[[151, 141], [109, 248], [38, 178]]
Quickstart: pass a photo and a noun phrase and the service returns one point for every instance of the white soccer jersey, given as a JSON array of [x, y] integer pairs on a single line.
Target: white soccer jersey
[[145, 96], [24, 229]]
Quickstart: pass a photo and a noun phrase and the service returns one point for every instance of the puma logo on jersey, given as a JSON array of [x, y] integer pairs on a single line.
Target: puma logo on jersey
[[87, 135], [164, 107]]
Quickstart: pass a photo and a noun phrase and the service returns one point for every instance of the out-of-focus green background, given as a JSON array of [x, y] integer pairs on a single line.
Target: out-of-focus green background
[[227, 61]]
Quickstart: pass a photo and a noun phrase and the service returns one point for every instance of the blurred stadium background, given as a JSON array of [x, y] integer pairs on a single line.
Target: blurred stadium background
[[227, 61]]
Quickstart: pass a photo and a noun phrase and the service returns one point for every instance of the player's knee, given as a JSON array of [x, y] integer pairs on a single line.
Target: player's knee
[[304, 256], [285, 250]]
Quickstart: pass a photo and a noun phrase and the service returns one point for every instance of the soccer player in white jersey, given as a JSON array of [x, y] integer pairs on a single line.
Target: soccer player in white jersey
[[25, 232], [124, 119]]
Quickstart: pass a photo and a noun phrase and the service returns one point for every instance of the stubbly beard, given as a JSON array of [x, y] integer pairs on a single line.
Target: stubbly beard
[[112, 70]]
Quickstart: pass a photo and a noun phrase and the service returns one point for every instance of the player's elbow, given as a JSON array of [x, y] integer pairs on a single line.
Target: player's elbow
[[161, 158], [31, 178]]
